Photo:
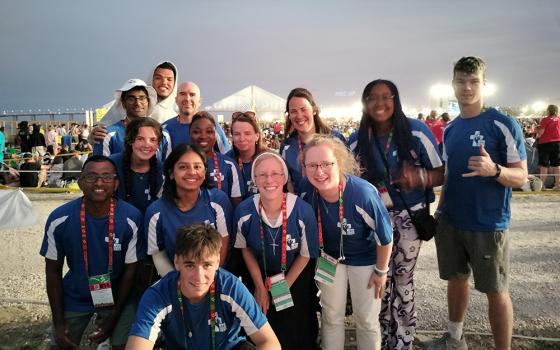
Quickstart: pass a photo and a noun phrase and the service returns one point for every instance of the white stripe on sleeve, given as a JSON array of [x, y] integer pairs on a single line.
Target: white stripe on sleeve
[[240, 241], [107, 143], [152, 234], [430, 148], [131, 256], [235, 183], [304, 250], [246, 321], [512, 151], [221, 222], [52, 253]]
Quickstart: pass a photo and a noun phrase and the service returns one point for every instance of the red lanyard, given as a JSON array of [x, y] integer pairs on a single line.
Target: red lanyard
[[300, 155], [217, 170], [212, 295], [340, 220], [111, 234], [284, 234]]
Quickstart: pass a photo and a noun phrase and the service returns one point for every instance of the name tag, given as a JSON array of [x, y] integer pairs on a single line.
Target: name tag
[[325, 269], [100, 289], [280, 292]]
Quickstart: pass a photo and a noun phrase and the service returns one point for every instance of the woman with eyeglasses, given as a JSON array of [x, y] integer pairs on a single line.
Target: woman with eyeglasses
[[139, 171], [302, 122], [277, 235], [223, 169], [188, 198], [401, 158], [355, 239], [247, 144]]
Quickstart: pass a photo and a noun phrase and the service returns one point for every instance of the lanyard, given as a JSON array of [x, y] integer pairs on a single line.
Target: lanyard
[[217, 170], [212, 296], [111, 235], [340, 220], [284, 234], [300, 154]]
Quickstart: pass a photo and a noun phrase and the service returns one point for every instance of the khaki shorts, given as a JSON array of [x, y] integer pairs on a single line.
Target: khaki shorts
[[485, 253], [77, 322]]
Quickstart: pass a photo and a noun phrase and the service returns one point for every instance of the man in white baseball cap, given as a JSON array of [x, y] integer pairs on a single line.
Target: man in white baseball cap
[[134, 99]]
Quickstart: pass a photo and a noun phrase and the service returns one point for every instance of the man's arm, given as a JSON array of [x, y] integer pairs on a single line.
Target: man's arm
[[265, 339], [125, 286], [138, 343], [513, 175], [55, 292]]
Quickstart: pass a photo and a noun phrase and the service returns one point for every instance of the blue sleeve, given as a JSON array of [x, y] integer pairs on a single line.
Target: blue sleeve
[[236, 180], [519, 152], [429, 156], [224, 212], [152, 227], [152, 310], [311, 230], [52, 247], [246, 308], [222, 143], [383, 229], [141, 244], [164, 147]]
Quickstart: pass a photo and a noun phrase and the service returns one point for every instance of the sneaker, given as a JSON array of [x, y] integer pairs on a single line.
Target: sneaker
[[446, 342]]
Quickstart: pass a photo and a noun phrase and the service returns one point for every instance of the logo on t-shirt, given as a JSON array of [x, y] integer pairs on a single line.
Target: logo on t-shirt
[[347, 229], [213, 174], [291, 243], [116, 244], [477, 139], [220, 324]]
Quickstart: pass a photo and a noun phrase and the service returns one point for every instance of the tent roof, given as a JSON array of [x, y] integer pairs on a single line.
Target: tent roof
[[251, 98]]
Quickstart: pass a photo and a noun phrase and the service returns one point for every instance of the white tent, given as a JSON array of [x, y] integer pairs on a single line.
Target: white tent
[[265, 104], [16, 209]]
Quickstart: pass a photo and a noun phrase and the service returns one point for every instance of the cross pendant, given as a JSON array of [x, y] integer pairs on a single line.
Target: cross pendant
[[274, 245]]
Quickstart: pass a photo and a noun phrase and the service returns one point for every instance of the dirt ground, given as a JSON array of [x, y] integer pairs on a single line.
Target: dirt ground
[[535, 277]]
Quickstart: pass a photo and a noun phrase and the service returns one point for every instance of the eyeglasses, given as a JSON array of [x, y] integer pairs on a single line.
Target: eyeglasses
[[324, 166], [273, 176], [249, 114], [372, 99], [132, 99], [92, 177]]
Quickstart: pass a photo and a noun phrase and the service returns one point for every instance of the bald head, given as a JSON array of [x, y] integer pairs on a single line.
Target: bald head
[[188, 99]]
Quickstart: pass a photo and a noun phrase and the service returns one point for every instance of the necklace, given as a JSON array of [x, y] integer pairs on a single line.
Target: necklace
[[273, 239]]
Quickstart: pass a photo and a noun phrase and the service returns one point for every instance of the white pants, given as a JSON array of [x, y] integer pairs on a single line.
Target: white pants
[[366, 309]]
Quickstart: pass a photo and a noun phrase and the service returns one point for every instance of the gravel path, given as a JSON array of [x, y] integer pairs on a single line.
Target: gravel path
[[535, 277]]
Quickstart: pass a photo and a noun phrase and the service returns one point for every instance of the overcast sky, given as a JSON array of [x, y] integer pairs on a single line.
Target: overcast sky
[[74, 54]]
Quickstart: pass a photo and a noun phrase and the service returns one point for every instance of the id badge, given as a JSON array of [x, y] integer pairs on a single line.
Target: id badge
[[384, 193], [100, 289], [280, 292], [325, 269]]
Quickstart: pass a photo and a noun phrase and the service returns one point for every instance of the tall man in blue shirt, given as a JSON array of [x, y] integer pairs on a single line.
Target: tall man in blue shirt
[[485, 157]]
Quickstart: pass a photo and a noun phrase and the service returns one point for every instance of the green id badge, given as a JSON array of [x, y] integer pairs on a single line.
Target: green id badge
[[280, 292], [325, 269], [100, 289]]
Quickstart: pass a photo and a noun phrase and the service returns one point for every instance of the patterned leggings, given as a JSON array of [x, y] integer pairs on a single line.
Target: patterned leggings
[[398, 310]]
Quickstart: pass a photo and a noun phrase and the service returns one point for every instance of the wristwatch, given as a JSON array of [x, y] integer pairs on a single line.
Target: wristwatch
[[498, 171]]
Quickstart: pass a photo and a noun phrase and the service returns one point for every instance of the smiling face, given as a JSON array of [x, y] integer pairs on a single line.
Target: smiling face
[[379, 104], [163, 82], [189, 172], [100, 189], [188, 98], [196, 275], [146, 143], [270, 178], [203, 134], [468, 88], [322, 169], [244, 136], [300, 112]]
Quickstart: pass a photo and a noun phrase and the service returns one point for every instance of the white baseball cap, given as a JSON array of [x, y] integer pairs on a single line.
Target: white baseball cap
[[132, 83]]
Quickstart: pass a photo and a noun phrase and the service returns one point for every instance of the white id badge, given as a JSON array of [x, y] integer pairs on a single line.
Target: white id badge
[[100, 289]]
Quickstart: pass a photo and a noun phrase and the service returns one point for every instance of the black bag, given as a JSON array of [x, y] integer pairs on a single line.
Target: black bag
[[425, 224]]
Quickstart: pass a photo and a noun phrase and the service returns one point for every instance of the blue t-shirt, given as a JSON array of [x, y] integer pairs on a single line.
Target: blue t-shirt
[[2, 145], [301, 238], [366, 220], [479, 203], [163, 218], [114, 142], [140, 196], [290, 151], [424, 148], [249, 188], [235, 308], [231, 177], [63, 240], [180, 133]]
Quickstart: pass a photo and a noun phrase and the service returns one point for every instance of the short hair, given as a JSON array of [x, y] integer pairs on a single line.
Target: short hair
[[168, 65], [552, 110], [346, 161], [197, 241], [170, 185], [320, 126], [99, 159], [470, 65], [202, 115]]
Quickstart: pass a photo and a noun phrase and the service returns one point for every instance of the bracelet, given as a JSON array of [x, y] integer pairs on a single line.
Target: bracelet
[[379, 272], [498, 171]]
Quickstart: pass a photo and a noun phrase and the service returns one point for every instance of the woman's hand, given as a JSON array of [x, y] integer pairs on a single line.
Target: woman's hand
[[262, 298], [378, 284]]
